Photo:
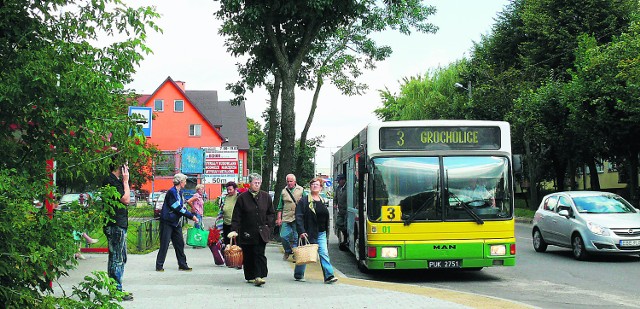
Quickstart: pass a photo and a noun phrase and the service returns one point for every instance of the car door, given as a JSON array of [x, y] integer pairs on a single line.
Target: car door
[[547, 218], [564, 225]]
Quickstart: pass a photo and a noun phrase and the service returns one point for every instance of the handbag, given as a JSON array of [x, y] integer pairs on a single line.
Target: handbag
[[305, 252], [233, 254], [197, 237]]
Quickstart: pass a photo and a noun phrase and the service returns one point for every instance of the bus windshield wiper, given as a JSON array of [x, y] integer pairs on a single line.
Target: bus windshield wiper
[[423, 206], [468, 209]]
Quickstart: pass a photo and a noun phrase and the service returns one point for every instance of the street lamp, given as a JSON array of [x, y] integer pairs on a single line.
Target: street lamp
[[468, 88]]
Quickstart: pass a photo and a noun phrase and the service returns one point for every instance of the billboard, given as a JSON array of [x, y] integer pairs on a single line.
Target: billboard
[[220, 164]]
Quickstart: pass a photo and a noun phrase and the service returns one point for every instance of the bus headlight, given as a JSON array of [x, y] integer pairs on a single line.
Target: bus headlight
[[498, 249], [389, 252]]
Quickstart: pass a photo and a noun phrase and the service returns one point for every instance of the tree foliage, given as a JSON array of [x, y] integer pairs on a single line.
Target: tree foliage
[[62, 97], [564, 73]]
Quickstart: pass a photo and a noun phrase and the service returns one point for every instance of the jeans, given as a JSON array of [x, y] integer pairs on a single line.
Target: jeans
[[325, 263], [117, 239], [288, 236], [199, 224]]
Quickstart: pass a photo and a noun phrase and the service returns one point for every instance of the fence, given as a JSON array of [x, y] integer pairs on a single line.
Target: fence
[[148, 235]]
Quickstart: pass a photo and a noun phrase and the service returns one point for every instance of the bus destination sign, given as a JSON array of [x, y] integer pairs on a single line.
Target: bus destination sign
[[440, 138]]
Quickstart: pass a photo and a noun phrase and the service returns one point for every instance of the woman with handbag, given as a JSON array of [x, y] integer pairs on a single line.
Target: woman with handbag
[[312, 223]]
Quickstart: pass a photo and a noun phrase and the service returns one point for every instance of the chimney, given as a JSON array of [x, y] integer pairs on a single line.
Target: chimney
[[180, 84]]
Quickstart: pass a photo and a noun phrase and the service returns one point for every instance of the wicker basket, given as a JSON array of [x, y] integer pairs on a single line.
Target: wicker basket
[[306, 253], [233, 255]]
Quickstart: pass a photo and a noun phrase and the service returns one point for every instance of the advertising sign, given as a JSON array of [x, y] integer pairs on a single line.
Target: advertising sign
[[220, 164]]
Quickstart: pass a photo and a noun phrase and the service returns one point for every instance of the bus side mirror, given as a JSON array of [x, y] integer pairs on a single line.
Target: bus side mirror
[[517, 163]]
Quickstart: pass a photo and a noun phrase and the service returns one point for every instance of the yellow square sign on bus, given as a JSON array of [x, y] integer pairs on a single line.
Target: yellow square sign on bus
[[391, 213]]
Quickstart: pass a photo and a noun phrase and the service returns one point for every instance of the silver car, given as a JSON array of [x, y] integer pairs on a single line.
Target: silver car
[[588, 222]]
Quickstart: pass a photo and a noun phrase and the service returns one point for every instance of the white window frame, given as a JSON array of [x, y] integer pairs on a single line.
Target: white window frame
[[195, 130], [155, 105], [174, 106]]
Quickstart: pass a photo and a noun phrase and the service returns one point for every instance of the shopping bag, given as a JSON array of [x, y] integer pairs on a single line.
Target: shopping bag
[[233, 254], [305, 252], [197, 237]]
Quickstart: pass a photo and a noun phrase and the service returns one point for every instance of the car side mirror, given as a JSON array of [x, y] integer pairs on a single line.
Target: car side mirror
[[564, 213]]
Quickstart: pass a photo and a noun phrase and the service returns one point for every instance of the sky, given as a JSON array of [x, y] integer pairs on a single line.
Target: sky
[[190, 50]]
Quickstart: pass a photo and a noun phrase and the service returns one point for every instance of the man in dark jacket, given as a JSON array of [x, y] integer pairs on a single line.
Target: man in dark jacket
[[116, 229], [251, 223], [170, 230]]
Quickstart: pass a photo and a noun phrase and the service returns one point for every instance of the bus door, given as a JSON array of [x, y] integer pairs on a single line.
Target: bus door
[[351, 200]]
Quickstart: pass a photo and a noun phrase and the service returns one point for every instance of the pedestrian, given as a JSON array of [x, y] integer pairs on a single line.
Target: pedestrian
[[312, 222], [341, 218], [170, 228], [286, 217], [197, 204], [227, 203], [116, 229], [251, 223]]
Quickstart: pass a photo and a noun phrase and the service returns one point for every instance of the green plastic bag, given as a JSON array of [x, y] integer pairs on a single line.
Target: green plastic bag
[[197, 237]]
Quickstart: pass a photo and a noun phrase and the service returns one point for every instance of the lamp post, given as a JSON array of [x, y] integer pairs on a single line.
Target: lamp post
[[468, 88]]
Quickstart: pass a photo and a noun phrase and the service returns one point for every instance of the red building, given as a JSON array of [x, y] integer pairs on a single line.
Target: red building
[[187, 120]]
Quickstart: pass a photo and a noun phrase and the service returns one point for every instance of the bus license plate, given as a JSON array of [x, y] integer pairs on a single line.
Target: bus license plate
[[629, 243], [444, 264]]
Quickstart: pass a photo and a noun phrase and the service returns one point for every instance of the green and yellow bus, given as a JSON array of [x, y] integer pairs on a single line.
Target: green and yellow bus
[[429, 194]]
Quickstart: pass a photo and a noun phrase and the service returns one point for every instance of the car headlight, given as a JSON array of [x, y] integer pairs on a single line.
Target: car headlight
[[598, 229]]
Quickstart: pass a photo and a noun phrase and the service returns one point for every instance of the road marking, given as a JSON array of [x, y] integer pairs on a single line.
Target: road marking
[[314, 272]]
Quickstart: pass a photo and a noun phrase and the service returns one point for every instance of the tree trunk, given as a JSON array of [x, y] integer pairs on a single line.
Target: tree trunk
[[267, 169], [288, 130], [633, 179], [533, 178], [593, 173], [573, 184], [302, 146], [560, 171]]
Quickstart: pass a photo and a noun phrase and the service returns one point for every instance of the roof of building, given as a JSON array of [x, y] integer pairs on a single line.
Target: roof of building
[[229, 120], [232, 120]]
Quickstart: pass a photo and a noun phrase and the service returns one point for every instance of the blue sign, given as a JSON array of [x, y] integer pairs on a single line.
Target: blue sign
[[328, 183], [192, 161], [144, 113]]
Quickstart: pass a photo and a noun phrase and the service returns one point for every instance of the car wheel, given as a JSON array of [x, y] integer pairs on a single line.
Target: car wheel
[[579, 251], [538, 243]]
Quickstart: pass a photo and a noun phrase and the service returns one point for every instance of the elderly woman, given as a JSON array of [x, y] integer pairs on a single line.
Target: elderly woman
[[312, 222], [170, 230], [197, 204], [252, 221]]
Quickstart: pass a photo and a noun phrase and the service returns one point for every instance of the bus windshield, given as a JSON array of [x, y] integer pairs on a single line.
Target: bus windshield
[[474, 188]]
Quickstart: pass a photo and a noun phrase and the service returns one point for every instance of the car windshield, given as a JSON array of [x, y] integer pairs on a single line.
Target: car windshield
[[70, 198], [603, 204]]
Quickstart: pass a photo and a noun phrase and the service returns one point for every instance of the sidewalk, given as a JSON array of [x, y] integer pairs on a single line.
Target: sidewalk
[[209, 285]]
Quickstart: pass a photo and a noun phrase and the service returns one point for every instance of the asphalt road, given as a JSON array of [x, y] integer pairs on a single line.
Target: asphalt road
[[546, 280]]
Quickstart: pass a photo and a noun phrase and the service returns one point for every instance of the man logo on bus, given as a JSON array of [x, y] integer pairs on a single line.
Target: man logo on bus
[[444, 247]]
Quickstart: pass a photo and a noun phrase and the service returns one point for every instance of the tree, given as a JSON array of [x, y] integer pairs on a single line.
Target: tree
[[256, 145], [62, 97], [528, 59], [281, 36]]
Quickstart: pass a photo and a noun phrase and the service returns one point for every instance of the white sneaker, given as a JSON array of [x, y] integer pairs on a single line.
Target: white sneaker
[[92, 241], [79, 256]]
